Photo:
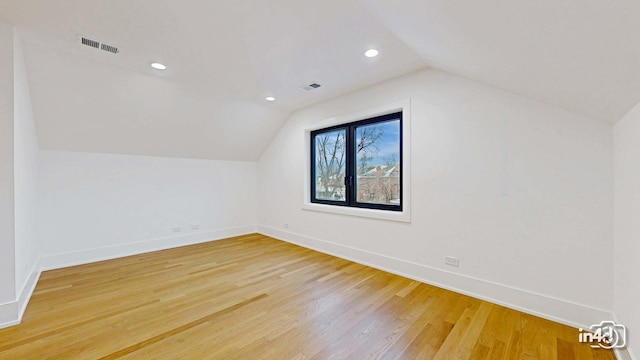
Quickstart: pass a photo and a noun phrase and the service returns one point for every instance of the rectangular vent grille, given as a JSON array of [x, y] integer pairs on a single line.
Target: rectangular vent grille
[[96, 44], [109, 48], [313, 85], [90, 42]]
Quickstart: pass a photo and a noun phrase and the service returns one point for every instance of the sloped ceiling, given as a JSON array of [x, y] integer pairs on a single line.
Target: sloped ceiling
[[582, 55], [225, 56]]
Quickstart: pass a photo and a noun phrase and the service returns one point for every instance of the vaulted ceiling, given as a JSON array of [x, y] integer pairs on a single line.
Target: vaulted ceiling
[[225, 56]]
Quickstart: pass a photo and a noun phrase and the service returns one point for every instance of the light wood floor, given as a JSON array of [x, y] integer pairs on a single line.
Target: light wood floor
[[254, 297]]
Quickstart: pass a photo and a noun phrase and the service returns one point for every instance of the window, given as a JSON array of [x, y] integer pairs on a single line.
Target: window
[[359, 164]]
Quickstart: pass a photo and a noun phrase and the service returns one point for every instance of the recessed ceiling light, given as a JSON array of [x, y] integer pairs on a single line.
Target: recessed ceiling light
[[371, 53], [158, 66], [270, 98]]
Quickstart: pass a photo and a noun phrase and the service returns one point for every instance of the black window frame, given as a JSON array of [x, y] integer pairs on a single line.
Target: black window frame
[[351, 159]]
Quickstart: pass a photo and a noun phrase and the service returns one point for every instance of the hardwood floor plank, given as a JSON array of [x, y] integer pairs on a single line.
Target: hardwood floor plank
[[254, 297], [180, 329]]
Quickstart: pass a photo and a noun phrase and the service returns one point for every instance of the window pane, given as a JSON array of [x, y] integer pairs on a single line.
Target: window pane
[[330, 162], [378, 163]]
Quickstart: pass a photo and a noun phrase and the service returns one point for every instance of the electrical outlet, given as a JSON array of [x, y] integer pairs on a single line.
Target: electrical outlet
[[195, 226], [453, 261], [176, 229], [286, 226]]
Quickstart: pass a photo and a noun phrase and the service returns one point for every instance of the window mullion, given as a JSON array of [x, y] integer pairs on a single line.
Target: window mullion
[[350, 180]]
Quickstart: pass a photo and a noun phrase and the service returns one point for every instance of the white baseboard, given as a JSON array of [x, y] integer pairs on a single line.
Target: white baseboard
[[28, 288], [11, 313], [58, 261], [626, 353], [558, 310]]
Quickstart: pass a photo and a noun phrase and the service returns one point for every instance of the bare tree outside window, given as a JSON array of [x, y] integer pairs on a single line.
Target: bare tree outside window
[[330, 165]]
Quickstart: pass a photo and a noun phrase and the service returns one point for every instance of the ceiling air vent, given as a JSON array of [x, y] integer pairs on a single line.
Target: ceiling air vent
[[313, 85], [90, 42], [109, 48], [96, 44]]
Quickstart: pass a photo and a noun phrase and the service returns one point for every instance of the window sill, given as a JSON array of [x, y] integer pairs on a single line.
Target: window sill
[[400, 216]]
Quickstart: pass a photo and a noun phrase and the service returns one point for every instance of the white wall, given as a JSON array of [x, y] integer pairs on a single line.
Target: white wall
[[96, 206], [25, 173], [65, 208], [520, 191], [7, 240], [627, 225]]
